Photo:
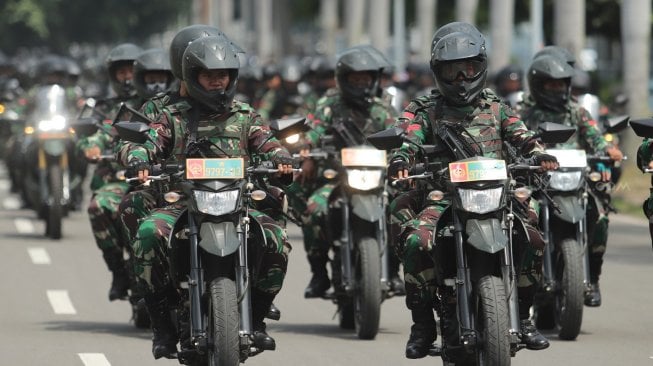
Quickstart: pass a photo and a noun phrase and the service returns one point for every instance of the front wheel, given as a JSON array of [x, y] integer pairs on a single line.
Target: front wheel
[[54, 209], [367, 300], [569, 299], [492, 322], [224, 323]]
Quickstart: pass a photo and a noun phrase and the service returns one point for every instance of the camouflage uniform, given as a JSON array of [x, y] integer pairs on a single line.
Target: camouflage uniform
[[590, 139], [329, 110], [277, 103], [644, 156], [240, 135], [490, 122]]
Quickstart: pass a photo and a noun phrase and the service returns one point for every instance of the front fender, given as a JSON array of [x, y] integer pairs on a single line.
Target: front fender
[[219, 239], [367, 207], [486, 235], [571, 209], [54, 147]]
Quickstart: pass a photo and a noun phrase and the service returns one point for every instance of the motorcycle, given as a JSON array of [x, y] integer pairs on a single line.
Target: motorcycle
[[356, 228], [49, 147], [211, 261], [473, 246]]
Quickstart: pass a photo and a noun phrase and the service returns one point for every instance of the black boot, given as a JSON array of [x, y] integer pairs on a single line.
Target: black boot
[[320, 280], [120, 280], [422, 334], [397, 285], [164, 338], [261, 303], [273, 313], [531, 337], [593, 295]]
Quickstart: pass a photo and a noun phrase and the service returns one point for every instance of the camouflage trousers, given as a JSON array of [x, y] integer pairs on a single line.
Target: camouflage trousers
[[150, 251], [316, 241], [103, 214], [418, 217], [134, 207]]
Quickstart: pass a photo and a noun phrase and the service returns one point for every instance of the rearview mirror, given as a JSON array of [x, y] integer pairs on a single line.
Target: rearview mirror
[[643, 127], [282, 128], [616, 124], [389, 139], [133, 131], [554, 133], [85, 126]]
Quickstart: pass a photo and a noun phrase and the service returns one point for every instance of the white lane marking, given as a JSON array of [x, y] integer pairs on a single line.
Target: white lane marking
[[39, 255], [60, 302], [24, 226], [5, 185], [11, 203], [94, 359]]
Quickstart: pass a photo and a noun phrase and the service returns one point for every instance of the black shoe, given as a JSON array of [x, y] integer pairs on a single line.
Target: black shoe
[[318, 285], [593, 295], [164, 334], [422, 336], [274, 313], [262, 339], [119, 286], [397, 286], [531, 337]]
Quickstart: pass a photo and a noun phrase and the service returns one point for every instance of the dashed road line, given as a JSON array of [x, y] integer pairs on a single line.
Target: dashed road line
[[94, 359], [39, 255], [24, 226], [60, 302], [11, 203]]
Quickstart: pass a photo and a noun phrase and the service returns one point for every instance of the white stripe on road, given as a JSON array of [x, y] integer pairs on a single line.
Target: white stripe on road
[[24, 226], [94, 359], [11, 203], [5, 185], [60, 302], [38, 255]]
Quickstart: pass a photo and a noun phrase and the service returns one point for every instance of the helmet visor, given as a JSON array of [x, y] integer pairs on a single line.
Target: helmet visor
[[466, 69]]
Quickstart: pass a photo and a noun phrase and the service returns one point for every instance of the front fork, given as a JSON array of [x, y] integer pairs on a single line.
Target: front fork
[[346, 247], [382, 235], [195, 288], [581, 236], [549, 279], [510, 277], [463, 285]]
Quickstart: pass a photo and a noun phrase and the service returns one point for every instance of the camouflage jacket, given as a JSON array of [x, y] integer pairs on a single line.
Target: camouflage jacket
[[483, 127], [332, 114], [277, 103], [239, 133], [106, 139], [588, 135]]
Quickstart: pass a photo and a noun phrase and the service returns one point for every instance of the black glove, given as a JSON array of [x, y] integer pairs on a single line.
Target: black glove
[[544, 158], [397, 166], [135, 166], [285, 160]]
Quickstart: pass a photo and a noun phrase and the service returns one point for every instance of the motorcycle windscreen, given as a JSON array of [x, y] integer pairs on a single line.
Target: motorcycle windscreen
[[486, 235]]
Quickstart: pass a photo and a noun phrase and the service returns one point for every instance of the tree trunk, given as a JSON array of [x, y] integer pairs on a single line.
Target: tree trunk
[[569, 25], [380, 24], [502, 17], [329, 24], [355, 18], [264, 28], [466, 11], [426, 11]]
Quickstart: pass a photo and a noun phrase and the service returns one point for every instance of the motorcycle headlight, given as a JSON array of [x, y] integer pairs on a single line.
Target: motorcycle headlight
[[364, 180], [480, 201], [565, 181], [216, 203], [56, 123]]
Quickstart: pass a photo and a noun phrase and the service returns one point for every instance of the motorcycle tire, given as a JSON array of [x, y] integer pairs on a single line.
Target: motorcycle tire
[[492, 324], [569, 301], [55, 209], [367, 300], [224, 323]]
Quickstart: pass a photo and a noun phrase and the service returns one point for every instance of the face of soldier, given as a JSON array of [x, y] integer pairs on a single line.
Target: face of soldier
[[213, 79], [556, 86], [360, 79], [124, 73], [155, 81]]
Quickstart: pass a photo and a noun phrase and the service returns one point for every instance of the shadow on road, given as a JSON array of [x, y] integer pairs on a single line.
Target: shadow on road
[[322, 330], [119, 329]]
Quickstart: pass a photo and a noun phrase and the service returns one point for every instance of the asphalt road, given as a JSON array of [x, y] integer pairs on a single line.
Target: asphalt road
[[55, 311]]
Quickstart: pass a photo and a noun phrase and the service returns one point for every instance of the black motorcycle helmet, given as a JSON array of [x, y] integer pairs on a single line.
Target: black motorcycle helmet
[[211, 53], [187, 35], [453, 27], [557, 51], [509, 80], [53, 69], [545, 68], [459, 65], [152, 60], [121, 55], [358, 59]]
